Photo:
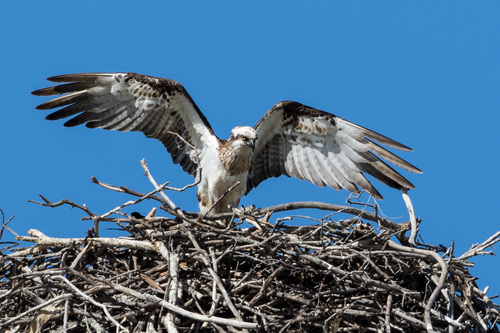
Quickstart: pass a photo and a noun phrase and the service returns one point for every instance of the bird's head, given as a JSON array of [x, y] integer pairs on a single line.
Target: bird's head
[[242, 136]]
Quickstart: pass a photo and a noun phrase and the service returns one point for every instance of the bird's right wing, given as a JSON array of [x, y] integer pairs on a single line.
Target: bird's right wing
[[302, 142], [160, 108]]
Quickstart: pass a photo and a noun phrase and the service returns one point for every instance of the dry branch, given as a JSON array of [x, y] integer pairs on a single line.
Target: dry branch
[[180, 273]]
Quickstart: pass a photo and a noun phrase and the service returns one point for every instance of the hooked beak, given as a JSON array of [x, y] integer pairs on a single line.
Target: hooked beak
[[251, 144]]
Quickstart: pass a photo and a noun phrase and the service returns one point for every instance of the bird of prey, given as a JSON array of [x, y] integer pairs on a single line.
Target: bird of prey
[[291, 139]]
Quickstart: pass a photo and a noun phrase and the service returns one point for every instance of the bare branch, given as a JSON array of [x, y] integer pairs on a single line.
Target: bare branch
[[413, 220], [43, 242], [158, 188], [478, 249], [221, 197]]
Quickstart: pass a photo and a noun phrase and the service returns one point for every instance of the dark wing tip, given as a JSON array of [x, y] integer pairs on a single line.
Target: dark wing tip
[[44, 106], [43, 92], [417, 170], [403, 147], [78, 77], [57, 78], [51, 116], [71, 123], [56, 116], [375, 193]]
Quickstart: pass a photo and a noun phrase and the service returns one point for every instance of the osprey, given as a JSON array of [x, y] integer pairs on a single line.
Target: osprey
[[291, 139]]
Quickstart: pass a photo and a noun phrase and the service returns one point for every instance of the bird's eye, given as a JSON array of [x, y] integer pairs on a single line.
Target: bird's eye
[[244, 138]]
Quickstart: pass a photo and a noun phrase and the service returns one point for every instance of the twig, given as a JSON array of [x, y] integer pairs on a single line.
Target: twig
[[158, 188], [35, 308], [4, 225], [216, 279], [368, 281], [79, 258], [182, 312], [173, 264], [220, 198], [478, 249], [47, 203], [89, 299], [439, 286], [44, 242], [388, 310], [164, 187], [413, 220], [134, 202], [262, 290], [322, 206], [124, 189]]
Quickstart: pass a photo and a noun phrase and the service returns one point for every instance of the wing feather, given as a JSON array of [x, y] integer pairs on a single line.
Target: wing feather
[[341, 163], [305, 163], [328, 174], [296, 161], [69, 111], [159, 108], [73, 98], [325, 150], [387, 155], [315, 172]]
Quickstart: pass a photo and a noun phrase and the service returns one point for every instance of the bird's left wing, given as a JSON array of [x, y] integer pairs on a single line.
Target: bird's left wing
[[306, 143], [158, 107]]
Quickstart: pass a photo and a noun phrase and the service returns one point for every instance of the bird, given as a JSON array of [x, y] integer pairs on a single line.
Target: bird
[[291, 139]]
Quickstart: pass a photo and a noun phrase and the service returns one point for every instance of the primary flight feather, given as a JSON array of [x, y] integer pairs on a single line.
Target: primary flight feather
[[290, 139]]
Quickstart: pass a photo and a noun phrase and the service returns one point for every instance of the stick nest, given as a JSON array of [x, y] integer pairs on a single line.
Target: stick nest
[[186, 273]]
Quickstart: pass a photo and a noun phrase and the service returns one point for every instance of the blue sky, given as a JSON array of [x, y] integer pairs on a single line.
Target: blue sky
[[424, 73]]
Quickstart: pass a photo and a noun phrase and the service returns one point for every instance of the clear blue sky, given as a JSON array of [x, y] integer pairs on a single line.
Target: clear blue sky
[[424, 73]]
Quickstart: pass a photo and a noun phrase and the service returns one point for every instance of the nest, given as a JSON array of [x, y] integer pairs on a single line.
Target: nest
[[187, 273]]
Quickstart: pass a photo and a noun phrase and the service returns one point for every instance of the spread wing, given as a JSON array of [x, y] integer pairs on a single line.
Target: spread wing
[[306, 143], [159, 108]]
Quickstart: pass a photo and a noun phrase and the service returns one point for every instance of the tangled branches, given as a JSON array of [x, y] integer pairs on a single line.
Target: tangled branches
[[183, 272]]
